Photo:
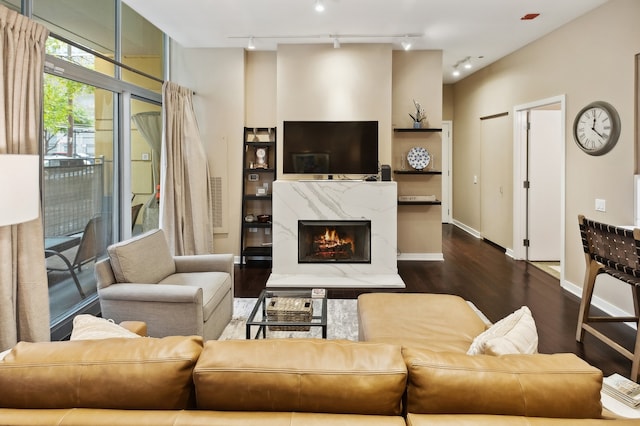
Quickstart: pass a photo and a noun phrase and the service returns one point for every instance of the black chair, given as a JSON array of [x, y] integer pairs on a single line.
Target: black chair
[[91, 246], [613, 251]]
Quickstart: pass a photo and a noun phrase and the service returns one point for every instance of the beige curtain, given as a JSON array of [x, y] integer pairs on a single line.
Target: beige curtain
[[185, 198], [24, 294]]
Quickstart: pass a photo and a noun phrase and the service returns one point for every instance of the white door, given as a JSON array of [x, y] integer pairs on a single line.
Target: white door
[[496, 180], [544, 195]]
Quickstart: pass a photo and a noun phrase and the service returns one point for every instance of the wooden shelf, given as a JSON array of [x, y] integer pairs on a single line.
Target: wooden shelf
[[257, 197], [414, 130], [417, 172], [257, 251], [259, 170], [260, 143], [257, 224], [419, 203]]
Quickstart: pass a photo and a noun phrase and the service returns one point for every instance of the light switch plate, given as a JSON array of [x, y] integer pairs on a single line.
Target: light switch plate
[[601, 205]]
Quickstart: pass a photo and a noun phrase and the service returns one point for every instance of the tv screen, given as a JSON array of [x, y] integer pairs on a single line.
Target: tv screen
[[330, 147]]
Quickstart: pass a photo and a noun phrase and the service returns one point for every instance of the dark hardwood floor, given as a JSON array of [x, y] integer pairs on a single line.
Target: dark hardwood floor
[[498, 285]]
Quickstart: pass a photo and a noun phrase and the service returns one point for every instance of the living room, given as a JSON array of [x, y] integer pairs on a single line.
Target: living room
[[262, 88], [235, 88]]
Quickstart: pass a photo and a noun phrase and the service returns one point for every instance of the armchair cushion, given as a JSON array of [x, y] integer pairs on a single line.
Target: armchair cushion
[[214, 285], [142, 259]]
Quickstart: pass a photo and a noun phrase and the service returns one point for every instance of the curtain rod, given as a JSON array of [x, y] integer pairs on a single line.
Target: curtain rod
[[106, 58]]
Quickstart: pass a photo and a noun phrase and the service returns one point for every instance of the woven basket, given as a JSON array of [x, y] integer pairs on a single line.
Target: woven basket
[[290, 309]]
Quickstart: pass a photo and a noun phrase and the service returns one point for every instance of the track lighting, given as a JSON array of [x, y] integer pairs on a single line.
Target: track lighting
[[406, 43], [467, 63], [251, 45], [336, 43], [319, 6], [456, 71]]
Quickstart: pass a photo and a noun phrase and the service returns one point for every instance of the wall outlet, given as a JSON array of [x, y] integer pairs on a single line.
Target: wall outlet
[[145, 156], [475, 180], [601, 205]]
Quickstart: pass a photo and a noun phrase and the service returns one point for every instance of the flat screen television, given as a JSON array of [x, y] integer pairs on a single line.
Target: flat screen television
[[330, 147]]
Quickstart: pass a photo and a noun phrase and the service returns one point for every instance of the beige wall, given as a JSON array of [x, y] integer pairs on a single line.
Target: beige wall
[[318, 82], [418, 75], [591, 58], [235, 88], [217, 76]]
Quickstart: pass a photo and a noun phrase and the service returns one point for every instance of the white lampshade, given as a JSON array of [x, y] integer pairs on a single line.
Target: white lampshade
[[19, 188]]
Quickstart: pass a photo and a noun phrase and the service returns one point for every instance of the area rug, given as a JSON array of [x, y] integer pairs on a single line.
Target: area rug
[[342, 321]]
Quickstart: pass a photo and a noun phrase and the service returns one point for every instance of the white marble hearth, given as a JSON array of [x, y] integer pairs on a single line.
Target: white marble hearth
[[335, 200]]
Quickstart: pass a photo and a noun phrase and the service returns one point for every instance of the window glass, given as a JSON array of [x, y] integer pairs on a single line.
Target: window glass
[[11, 4], [90, 23], [146, 139], [141, 49], [77, 188]]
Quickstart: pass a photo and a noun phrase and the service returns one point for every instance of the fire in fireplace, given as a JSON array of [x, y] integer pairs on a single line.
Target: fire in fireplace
[[345, 241]]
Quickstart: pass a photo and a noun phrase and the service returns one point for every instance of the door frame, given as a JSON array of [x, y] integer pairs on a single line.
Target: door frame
[[520, 157], [447, 171]]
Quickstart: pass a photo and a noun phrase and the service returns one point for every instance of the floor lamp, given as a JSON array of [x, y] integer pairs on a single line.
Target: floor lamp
[[19, 188]]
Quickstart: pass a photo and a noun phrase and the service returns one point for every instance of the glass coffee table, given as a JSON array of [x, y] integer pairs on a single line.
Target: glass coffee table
[[288, 310]]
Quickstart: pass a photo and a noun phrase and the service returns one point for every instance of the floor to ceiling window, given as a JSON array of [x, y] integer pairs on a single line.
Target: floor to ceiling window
[[103, 77]]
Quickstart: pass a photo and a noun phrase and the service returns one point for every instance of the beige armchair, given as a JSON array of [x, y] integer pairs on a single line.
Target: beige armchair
[[175, 295]]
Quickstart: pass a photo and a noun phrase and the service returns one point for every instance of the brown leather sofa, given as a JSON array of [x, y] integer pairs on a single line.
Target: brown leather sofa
[[179, 381], [448, 387]]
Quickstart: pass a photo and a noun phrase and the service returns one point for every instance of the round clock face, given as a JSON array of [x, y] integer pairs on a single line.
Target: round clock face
[[596, 128], [261, 158]]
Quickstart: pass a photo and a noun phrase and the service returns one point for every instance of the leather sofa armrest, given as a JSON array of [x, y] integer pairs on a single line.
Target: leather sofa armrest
[[138, 327], [204, 263]]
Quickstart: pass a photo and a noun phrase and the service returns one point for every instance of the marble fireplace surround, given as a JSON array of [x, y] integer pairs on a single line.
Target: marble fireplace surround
[[335, 200]]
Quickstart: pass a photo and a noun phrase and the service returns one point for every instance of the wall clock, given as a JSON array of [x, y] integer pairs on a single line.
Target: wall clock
[[596, 128]]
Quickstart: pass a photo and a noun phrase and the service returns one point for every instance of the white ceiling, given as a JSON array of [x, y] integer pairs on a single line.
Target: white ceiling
[[484, 30]]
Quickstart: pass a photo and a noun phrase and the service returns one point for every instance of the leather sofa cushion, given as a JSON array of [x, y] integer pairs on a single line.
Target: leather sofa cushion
[[439, 322], [143, 373], [143, 259], [215, 286], [304, 375], [559, 385]]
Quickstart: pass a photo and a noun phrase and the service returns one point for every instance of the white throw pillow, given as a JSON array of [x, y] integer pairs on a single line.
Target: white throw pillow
[[4, 354], [514, 334], [88, 327]]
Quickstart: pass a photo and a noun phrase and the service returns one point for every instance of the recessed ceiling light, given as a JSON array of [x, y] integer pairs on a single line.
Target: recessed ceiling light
[[319, 6]]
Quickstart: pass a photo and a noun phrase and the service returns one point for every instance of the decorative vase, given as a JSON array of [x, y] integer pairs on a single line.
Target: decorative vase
[[417, 124]]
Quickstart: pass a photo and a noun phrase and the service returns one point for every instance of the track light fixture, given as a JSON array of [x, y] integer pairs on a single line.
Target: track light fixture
[[465, 63], [406, 43], [251, 45], [336, 43], [319, 6]]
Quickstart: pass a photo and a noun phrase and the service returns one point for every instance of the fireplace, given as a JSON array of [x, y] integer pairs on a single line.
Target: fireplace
[[334, 241]]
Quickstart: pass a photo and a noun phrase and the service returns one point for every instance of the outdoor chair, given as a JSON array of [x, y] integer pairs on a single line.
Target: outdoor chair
[[614, 251], [92, 245]]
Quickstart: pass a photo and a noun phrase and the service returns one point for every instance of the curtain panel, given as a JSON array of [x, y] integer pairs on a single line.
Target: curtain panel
[[24, 294], [185, 196]]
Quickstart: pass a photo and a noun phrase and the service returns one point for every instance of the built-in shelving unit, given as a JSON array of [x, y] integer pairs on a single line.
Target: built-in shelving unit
[[423, 133], [259, 173]]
